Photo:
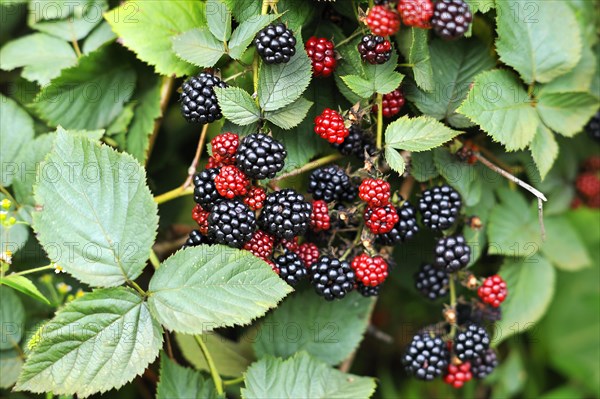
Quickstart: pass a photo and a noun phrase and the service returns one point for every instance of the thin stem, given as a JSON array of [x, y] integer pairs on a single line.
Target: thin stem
[[137, 287], [349, 38], [379, 120], [235, 75], [407, 65], [353, 245], [309, 166], [452, 302], [171, 195], [211, 365], [35, 270], [76, 48], [233, 381], [154, 259], [194, 164], [530, 89], [255, 77], [166, 89]]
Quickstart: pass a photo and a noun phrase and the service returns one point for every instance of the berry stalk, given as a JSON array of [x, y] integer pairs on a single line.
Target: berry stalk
[[379, 121], [452, 286], [214, 373]]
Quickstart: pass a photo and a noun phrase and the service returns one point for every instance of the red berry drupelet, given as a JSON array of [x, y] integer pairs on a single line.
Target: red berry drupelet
[[451, 18], [416, 13], [231, 182], [255, 198], [261, 245], [392, 103], [332, 278], [493, 291], [383, 21], [224, 146], [198, 99], [290, 245], [309, 253], [322, 55], [201, 217], [381, 219], [319, 218], [426, 357], [375, 49], [457, 375], [370, 271], [330, 126], [588, 184], [375, 192]]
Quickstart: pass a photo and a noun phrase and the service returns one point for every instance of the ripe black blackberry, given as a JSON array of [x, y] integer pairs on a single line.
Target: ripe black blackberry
[[593, 127], [439, 207], [451, 18], [477, 312], [375, 49], [196, 238], [452, 253], [331, 183], [285, 214], [405, 229], [483, 366], [260, 156], [432, 282], [331, 277], [198, 99], [367, 290], [426, 357], [205, 190], [471, 342], [357, 142], [231, 223], [275, 44], [291, 268]]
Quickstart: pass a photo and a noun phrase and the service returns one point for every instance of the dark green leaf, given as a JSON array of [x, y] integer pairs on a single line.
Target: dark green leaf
[[291, 115], [218, 19], [567, 113], [16, 131], [181, 382], [237, 105], [12, 318], [24, 285]]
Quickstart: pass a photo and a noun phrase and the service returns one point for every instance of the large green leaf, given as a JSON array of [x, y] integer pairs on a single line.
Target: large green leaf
[[567, 113], [244, 10], [237, 105], [498, 103], [417, 134], [540, 51], [563, 246], [181, 382], [12, 318], [579, 78], [544, 149], [10, 367], [16, 131], [379, 78], [328, 331], [206, 287], [302, 377], [106, 224], [291, 115], [146, 27], [41, 56], [24, 285], [97, 342], [98, 38], [395, 160], [148, 97], [530, 284], [455, 66], [68, 19], [218, 19], [420, 57], [87, 96], [199, 47], [422, 166]]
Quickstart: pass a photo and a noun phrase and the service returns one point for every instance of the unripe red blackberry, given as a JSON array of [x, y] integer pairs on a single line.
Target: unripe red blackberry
[[231, 182], [201, 217], [381, 219], [375, 192], [260, 245], [416, 13], [322, 55], [457, 375], [493, 291], [392, 103], [309, 253], [224, 147], [198, 99], [370, 271], [375, 49], [255, 198], [319, 218], [330, 126], [383, 21]]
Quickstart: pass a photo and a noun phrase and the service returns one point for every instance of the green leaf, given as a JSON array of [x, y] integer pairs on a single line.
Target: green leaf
[[244, 10], [16, 131], [291, 115], [530, 284], [455, 65], [68, 19], [579, 78], [10, 368], [244, 34], [417, 134], [99, 37], [237, 105], [146, 28], [328, 331], [349, 64], [88, 96], [563, 246], [302, 377], [206, 287], [381, 78], [12, 319], [419, 56], [481, 6], [360, 86], [97, 342], [296, 13], [567, 113], [544, 150], [24, 285], [282, 84], [510, 376], [107, 220], [181, 382], [463, 177], [395, 160], [199, 47], [41, 56], [218, 19], [231, 358], [422, 166], [539, 51], [13, 238], [498, 103], [145, 114]]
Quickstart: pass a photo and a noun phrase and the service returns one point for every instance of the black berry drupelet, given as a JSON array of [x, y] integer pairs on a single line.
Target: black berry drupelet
[[431, 282], [196, 238], [205, 190], [198, 99], [260, 156], [231, 223], [367, 290], [483, 366], [375, 49], [331, 277], [439, 207], [356, 143], [331, 183], [275, 44], [426, 357], [471, 343], [291, 268], [285, 214], [593, 127], [452, 253], [405, 229], [451, 18]]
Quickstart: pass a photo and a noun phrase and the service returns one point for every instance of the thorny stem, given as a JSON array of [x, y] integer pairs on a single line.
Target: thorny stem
[[194, 164], [211, 365], [309, 166], [452, 302], [37, 269], [154, 259], [166, 89], [379, 120]]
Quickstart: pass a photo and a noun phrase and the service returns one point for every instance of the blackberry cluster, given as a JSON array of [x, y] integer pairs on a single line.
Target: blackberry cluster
[[432, 282], [285, 214], [291, 268], [332, 278], [260, 156], [404, 230], [331, 183], [471, 343], [426, 357], [357, 143], [452, 253], [231, 223], [375, 49], [275, 44], [451, 18], [205, 190], [483, 365], [198, 99], [439, 207], [196, 238], [593, 127]]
